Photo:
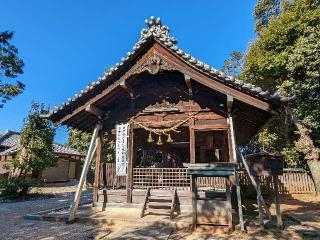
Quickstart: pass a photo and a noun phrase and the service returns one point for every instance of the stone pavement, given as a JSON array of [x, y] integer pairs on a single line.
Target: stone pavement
[[144, 232]]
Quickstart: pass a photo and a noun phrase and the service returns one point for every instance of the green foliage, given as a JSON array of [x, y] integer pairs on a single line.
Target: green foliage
[[264, 11], [10, 67], [286, 56], [35, 152], [234, 64], [81, 140], [14, 188]]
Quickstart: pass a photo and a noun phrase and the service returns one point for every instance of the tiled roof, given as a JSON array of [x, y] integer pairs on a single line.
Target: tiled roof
[[161, 34], [10, 141]]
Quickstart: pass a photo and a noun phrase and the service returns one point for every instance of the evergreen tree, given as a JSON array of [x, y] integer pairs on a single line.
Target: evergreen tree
[[35, 152], [285, 55], [10, 67]]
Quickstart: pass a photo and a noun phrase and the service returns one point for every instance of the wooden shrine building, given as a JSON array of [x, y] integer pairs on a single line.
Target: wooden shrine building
[[181, 113]]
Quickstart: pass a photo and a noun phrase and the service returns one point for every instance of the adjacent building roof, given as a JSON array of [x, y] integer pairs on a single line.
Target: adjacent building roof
[[9, 144], [161, 34]]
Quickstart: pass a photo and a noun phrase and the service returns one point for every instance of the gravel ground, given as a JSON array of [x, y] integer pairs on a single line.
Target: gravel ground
[[12, 226]]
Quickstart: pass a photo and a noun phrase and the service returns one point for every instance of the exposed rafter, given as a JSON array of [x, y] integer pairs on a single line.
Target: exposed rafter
[[100, 114]]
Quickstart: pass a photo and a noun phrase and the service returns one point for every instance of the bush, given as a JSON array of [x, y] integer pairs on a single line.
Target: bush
[[15, 188]]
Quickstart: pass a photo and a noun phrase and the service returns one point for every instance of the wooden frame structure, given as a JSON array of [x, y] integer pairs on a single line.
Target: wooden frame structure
[[161, 90]]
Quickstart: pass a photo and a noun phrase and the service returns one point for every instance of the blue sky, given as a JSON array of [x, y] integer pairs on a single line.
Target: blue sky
[[66, 44]]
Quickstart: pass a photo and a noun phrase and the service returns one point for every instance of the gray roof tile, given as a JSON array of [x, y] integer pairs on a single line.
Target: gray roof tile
[[10, 141], [161, 34]]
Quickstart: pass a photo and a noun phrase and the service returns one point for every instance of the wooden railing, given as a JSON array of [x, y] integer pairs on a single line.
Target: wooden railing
[[291, 182], [161, 178]]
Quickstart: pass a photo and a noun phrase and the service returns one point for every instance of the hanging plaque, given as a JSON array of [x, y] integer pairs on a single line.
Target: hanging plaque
[[122, 149]]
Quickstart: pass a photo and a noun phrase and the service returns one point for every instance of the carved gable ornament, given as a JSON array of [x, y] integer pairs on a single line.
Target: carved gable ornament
[[153, 64]]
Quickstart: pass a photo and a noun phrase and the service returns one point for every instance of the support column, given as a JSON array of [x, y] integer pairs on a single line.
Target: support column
[[229, 204], [194, 201], [192, 141], [130, 165], [232, 144], [89, 157], [277, 200], [97, 174]]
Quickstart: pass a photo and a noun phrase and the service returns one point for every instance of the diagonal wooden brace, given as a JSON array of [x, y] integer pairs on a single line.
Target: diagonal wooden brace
[[89, 157]]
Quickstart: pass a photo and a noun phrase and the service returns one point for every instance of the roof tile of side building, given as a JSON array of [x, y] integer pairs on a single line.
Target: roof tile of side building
[[161, 34], [10, 141]]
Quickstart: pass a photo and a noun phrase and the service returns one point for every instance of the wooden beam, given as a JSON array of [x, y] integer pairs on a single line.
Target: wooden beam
[[90, 154], [210, 82], [229, 103], [99, 158], [209, 127], [95, 111], [127, 89], [187, 79]]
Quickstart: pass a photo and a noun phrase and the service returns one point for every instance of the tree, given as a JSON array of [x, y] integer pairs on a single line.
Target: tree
[[10, 67], [264, 11], [81, 140], [285, 55], [35, 152], [234, 64]]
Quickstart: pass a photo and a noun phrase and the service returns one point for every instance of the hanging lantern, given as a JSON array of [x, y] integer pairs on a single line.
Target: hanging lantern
[[150, 139], [169, 140], [159, 141]]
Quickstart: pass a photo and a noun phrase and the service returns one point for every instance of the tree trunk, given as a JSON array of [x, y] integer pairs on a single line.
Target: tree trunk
[[314, 166], [310, 151]]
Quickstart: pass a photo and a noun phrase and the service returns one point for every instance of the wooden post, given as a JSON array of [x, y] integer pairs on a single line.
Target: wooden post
[[91, 150], [229, 204], [231, 138], [277, 200], [192, 141], [194, 201], [130, 165], [255, 184], [99, 158], [261, 221]]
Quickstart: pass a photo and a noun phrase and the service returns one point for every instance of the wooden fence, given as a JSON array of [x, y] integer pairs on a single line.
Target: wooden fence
[[291, 182]]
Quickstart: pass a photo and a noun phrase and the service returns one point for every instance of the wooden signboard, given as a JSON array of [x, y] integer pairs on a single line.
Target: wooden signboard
[[122, 149]]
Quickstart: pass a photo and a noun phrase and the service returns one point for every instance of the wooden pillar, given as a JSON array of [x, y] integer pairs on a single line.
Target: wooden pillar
[[194, 201], [229, 204], [233, 153], [99, 158], [277, 200], [130, 164], [192, 141]]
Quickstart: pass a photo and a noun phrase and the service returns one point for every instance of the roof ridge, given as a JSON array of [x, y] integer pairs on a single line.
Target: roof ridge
[[161, 33]]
